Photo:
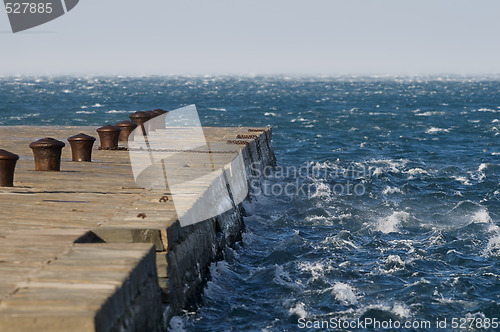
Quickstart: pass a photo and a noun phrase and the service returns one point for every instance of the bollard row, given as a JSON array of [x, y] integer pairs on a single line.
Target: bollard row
[[47, 151]]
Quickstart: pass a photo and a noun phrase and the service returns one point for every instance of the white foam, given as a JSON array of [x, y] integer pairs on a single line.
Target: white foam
[[394, 263], [486, 110], [318, 220], [322, 191], [417, 170], [397, 308], [390, 165], [281, 277], [344, 293], [270, 114], [461, 179], [422, 281], [299, 310], [317, 269], [401, 310], [378, 171], [97, 105], [116, 111], [328, 220], [437, 239], [300, 119], [429, 113], [339, 242], [479, 175], [482, 167], [85, 112], [24, 116], [391, 223], [217, 109], [380, 113], [391, 190], [493, 247], [435, 130], [325, 166]]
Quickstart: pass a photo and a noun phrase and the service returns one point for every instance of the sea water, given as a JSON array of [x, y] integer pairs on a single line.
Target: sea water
[[384, 205]]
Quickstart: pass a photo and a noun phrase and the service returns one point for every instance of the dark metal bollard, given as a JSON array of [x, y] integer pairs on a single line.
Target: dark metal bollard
[[159, 111], [127, 127], [151, 113], [109, 137], [139, 117], [8, 162], [81, 147], [47, 153]]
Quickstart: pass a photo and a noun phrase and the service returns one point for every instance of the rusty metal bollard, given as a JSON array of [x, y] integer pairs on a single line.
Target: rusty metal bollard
[[8, 162], [160, 111], [109, 137], [126, 129], [139, 117], [151, 113], [81, 147], [47, 153]]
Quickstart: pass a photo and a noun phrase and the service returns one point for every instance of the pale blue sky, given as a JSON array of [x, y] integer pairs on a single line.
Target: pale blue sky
[[325, 37]]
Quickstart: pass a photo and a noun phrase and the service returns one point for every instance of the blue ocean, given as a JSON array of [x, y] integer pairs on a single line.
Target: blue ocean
[[384, 207]]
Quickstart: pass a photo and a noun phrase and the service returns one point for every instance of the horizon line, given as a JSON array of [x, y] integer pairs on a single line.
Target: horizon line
[[262, 75]]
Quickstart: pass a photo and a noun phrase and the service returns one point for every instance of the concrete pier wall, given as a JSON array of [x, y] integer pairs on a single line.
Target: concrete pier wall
[[191, 249]]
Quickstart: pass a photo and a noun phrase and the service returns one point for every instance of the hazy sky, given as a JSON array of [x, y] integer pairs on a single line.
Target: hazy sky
[[325, 37]]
